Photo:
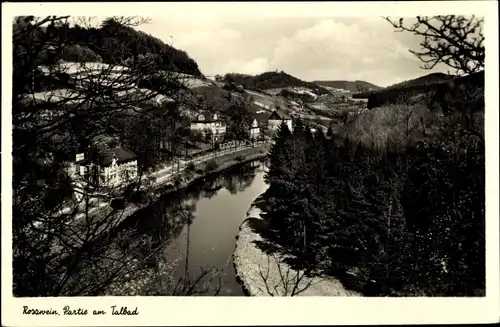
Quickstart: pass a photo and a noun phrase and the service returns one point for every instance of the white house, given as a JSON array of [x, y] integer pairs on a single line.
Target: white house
[[114, 167], [253, 126], [274, 121], [206, 122]]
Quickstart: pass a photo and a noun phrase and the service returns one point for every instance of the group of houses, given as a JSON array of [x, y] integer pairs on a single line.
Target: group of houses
[[114, 166], [210, 123]]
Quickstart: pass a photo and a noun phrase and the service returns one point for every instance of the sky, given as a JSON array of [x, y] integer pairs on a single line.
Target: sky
[[310, 48]]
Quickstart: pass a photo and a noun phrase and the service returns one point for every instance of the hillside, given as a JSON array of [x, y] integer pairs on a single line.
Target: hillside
[[419, 82], [271, 80], [423, 80], [352, 86], [434, 87], [126, 47]]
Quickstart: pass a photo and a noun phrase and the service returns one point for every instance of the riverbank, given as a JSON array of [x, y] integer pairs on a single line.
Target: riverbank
[[223, 163], [104, 210], [260, 274], [140, 282], [201, 170]]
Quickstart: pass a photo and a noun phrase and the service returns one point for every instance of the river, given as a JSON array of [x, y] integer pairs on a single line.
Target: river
[[201, 223]]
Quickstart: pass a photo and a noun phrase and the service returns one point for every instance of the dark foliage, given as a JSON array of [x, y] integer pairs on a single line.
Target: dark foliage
[[394, 221], [118, 203], [433, 89], [211, 165], [114, 42], [61, 236]]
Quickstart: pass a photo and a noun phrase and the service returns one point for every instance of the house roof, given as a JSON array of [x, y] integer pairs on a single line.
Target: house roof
[[249, 119], [208, 117], [122, 154], [104, 139], [278, 116], [262, 117]]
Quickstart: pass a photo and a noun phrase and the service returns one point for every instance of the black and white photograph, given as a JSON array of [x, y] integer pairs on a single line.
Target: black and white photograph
[[239, 155]]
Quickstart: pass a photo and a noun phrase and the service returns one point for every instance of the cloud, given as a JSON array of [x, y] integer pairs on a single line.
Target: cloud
[[310, 48], [251, 67], [331, 46]]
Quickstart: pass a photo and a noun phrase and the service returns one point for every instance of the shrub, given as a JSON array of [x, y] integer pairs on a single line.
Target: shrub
[[129, 190], [394, 205], [211, 165], [139, 197], [190, 167], [118, 203]]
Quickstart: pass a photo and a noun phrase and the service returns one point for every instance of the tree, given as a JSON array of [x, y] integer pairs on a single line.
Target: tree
[[62, 244], [455, 41], [239, 129], [78, 53], [196, 136], [329, 132], [209, 137]]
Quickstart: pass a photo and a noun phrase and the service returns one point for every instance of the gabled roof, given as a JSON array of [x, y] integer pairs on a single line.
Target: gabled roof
[[249, 119], [209, 117], [278, 116], [262, 117], [122, 155]]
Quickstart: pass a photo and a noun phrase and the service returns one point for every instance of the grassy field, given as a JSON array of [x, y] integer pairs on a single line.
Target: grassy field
[[267, 100]]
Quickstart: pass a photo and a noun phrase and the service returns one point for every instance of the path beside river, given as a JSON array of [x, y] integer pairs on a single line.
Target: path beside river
[[80, 225], [251, 264]]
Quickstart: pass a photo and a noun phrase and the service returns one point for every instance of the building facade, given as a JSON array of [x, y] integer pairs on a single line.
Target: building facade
[[113, 168], [276, 119], [254, 130]]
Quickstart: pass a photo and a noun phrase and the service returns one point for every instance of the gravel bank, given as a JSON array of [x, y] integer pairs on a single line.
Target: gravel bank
[[248, 258]]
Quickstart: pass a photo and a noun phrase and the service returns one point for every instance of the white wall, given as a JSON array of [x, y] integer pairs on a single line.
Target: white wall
[[216, 128], [116, 174], [275, 124]]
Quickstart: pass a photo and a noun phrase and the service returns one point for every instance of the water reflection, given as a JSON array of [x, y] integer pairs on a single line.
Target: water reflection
[[197, 226]]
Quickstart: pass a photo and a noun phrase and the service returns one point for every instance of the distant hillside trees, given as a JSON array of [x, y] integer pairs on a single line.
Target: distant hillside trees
[[270, 80], [232, 86], [355, 86], [117, 42], [437, 93]]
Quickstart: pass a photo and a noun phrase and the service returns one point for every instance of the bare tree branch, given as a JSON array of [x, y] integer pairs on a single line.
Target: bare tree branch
[[455, 41]]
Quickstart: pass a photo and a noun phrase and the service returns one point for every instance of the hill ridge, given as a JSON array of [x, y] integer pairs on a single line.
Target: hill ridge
[[352, 86], [271, 80]]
